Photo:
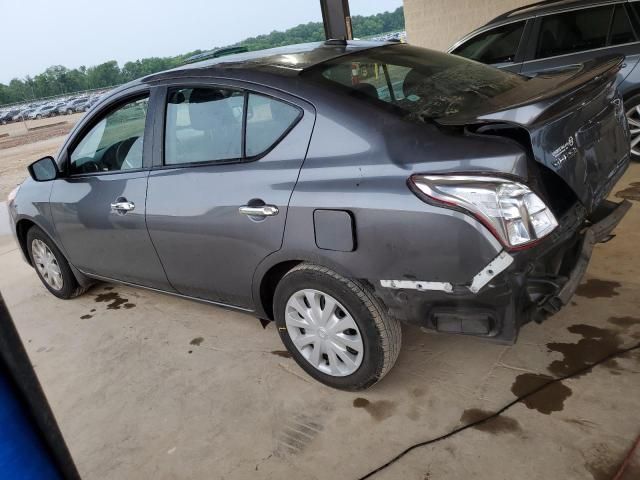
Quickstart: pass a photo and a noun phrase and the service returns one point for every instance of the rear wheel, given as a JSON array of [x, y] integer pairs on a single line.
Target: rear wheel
[[51, 266], [334, 328], [632, 106]]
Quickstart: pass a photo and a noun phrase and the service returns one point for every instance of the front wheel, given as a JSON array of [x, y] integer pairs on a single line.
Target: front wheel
[[335, 329], [51, 266]]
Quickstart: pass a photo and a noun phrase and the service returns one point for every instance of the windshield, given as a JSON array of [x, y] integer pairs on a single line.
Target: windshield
[[418, 83]]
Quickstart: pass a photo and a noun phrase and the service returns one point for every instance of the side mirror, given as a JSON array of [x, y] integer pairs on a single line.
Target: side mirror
[[44, 170]]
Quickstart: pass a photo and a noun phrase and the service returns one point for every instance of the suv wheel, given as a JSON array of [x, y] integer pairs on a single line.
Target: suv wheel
[[632, 106], [334, 328], [51, 266]]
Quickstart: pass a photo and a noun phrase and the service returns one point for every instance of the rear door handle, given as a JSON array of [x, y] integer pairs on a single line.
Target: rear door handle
[[263, 211], [122, 206]]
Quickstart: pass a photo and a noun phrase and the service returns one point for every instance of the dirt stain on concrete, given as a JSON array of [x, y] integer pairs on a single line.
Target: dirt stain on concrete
[[380, 410], [580, 422], [114, 299], [418, 392], [614, 367], [281, 353], [197, 341], [624, 322], [297, 433], [495, 425], [414, 414], [630, 193], [548, 400], [596, 343], [596, 288]]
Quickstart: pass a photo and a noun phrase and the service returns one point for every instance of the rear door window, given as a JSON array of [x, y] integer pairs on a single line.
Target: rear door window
[[499, 45], [572, 32], [268, 120], [203, 125], [208, 124], [621, 29]]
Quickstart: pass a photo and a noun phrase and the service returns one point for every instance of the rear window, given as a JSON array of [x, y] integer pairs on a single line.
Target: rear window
[[415, 82]]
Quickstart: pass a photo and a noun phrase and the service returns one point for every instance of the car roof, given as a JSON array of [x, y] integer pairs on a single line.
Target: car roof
[[546, 7], [289, 60]]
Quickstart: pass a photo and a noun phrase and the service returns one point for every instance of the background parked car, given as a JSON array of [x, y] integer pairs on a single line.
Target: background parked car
[[23, 114], [7, 116], [59, 107], [76, 105], [555, 36], [43, 111]]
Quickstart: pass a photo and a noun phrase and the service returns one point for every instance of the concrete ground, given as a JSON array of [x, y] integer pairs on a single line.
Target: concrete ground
[[145, 385]]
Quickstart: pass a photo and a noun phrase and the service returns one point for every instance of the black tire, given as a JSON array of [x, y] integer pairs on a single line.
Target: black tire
[[70, 288], [629, 105], [381, 334]]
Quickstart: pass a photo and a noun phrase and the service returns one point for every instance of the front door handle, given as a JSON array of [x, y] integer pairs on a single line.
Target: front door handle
[[121, 206], [262, 211]]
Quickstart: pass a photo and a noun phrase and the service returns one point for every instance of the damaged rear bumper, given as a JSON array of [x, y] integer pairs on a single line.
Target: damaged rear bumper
[[599, 232], [513, 289]]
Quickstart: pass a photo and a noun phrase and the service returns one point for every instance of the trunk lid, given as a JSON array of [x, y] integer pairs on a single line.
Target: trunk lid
[[575, 121]]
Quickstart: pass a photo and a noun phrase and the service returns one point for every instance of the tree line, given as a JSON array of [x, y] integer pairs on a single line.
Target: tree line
[[60, 80]]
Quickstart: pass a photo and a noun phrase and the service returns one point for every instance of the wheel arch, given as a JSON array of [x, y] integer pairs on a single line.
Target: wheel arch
[[269, 282], [274, 268], [22, 228], [631, 93]]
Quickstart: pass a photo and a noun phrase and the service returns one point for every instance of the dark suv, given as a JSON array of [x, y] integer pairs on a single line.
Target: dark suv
[[557, 35]]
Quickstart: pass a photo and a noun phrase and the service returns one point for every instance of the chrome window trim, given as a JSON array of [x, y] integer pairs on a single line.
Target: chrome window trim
[[579, 52]]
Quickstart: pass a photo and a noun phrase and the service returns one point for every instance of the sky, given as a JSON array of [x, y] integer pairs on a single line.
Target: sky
[[35, 34]]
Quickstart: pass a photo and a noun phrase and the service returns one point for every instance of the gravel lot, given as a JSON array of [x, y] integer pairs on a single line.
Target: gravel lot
[[22, 143]]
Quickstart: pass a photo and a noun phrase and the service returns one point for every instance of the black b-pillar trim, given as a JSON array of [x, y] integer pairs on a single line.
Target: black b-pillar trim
[[337, 19]]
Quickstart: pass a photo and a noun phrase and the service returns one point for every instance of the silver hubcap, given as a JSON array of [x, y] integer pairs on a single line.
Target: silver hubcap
[[324, 333], [633, 117], [47, 264]]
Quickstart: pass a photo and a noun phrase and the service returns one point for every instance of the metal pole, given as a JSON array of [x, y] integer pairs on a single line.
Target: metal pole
[[31, 444], [337, 19]]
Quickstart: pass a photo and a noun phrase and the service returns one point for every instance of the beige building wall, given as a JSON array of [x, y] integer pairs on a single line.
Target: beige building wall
[[438, 24]]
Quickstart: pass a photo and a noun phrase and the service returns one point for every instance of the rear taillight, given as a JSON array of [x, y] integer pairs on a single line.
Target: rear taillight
[[510, 210]]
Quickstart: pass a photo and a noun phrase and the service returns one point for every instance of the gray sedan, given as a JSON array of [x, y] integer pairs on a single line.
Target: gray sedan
[[338, 189]]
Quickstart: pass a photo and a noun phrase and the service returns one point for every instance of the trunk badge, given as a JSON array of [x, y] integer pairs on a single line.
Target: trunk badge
[[564, 152]]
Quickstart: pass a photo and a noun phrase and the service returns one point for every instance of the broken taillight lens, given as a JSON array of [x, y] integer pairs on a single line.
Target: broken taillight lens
[[510, 210]]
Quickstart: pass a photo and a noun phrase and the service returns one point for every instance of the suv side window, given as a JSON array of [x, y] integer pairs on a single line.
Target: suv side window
[[621, 29], [203, 125], [267, 121], [571, 32], [499, 45], [114, 143]]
